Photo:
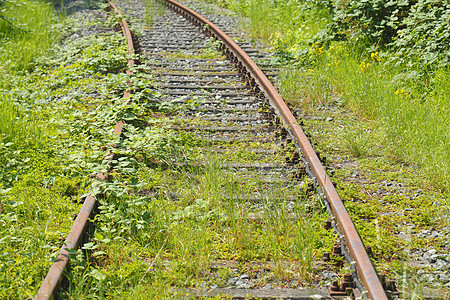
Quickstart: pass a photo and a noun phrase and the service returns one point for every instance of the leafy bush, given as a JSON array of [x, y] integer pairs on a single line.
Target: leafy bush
[[424, 35], [373, 21], [417, 29]]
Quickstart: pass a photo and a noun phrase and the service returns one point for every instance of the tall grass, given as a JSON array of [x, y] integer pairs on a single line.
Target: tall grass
[[417, 125], [25, 35], [414, 115], [259, 23], [280, 22], [15, 126]]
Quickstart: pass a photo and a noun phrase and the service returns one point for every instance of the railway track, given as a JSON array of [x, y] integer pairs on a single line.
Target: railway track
[[243, 131]]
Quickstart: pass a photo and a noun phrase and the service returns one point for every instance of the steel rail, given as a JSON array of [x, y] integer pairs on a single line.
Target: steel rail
[[366, 271], [54, 276], [49, 286]]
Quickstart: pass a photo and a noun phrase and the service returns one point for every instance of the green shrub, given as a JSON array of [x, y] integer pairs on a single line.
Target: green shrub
[[417, 29], [374, 22], [424, 34]]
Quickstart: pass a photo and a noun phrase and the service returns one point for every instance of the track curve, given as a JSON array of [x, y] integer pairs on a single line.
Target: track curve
[[261, 85], [246, 65]]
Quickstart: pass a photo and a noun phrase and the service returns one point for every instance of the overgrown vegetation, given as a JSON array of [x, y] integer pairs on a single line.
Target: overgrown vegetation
[[58, 110], [371, 80], [387, 60], [186, 233], [416, 30], [24, 26], [61, 108], [168, 225], [31, 196]]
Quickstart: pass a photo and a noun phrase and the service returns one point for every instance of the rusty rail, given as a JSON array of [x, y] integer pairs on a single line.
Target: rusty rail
[[55, 274], [49, 286], [260, 82], [248, 68]]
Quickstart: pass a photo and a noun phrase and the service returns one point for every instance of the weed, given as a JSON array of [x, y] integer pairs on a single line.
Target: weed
[[197, 218], [57, 115], [304, 89], [29, 30], [364, 81], [153, 8], [356, 140]]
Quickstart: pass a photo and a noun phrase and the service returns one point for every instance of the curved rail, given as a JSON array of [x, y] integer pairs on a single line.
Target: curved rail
[[54, 276], [246, 65]]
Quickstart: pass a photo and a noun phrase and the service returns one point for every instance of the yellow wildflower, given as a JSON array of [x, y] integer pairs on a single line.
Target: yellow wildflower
[[402, 93], [375, 57], [364, 66], [320, 50], [310, 70]]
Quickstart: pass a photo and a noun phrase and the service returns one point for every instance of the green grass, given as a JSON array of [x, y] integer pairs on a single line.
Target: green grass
[[50, 132], [28, 34], [283, 24], [24, 37], [414, 121], [159, 244], [33, 220], [17, 126], [411, 108]]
